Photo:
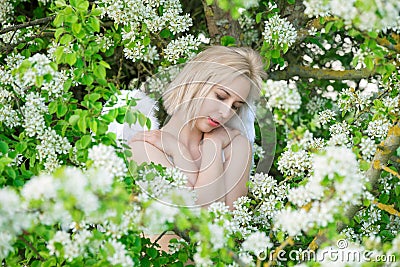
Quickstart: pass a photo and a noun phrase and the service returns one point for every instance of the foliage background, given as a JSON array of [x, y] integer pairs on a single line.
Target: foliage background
[[69, 196]]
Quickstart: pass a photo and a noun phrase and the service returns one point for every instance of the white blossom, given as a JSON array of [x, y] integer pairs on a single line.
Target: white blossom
[[325, 116], [257, 243], [378, 128], [182, 47], [119, 255], [279, 31], [282, 95], [105, 158], [367, 148], [293, 163]]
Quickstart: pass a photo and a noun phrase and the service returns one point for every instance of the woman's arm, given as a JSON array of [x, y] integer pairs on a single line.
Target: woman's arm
[[237, 169], [223, 181], [155, 146]]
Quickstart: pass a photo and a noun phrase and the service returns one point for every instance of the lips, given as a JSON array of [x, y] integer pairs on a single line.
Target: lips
[[212, 122]]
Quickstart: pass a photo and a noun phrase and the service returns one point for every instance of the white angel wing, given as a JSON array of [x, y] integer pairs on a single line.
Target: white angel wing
[[144, 104]]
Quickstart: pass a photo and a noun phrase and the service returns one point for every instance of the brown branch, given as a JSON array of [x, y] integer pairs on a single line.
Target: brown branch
[[215, 17], [27, 24], [386, 43], [383, 153], [29, 244], [5, 49], [319, 74]]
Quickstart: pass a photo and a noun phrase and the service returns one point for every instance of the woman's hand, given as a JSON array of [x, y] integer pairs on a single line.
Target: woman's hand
[[164, 141], [222, 136]]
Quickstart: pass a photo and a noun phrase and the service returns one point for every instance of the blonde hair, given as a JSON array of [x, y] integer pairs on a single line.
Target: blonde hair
[[213, 66]]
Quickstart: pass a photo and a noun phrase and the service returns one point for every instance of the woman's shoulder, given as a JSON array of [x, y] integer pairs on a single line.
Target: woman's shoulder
[[145, 152]]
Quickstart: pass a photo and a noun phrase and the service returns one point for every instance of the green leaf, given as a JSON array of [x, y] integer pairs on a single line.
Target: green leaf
[[99, 71], [70, 59], [397, 190], [76, 28], [53, 107], [291, 1], [258, 17], [82, 124], [58, 20], [58, 32], [3, 147], [152, 252], [62, 108], [87, 79], [86, 140], [369, 63], [165, 33], [142, 119], [21, 147], [10, 172], [94, 97], [328, 26], [73, 119], [373, 34], [228, 40], [94, 24], [275, 53], [83, 5], [146, 41], [148, 124], [66, 39], [364, 165], [130, 117], [105, 64], [59, 53], [285, 48]]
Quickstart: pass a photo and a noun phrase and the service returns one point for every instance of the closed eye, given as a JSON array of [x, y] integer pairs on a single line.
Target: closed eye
[[219, 97]]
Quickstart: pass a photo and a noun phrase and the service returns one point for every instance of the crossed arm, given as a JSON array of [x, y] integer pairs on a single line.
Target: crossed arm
[[215, 179]]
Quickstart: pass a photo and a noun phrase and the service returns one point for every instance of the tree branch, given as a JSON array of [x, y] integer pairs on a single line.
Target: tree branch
[[319, 74], [27, 24], [220, 23], [5, 49]]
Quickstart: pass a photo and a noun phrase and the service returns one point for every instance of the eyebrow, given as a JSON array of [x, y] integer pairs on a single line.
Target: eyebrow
[[242, 102]]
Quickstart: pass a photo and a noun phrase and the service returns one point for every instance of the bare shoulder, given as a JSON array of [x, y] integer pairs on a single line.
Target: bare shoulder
[[239, 148], [240, 140], [145, 152]]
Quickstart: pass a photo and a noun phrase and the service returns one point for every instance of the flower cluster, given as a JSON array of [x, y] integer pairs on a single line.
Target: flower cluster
[[349, 99], [247, 23], [294, 163], [279, 32], [326, 116], [340, 134], [367, 148], [282, 95], [378, 15], [6, 12], [105, 158], [140, 19], [337, 169], [378, 128], [183, 47], [157, 83]]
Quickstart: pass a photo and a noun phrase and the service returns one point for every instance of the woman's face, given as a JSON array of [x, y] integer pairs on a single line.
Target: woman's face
[[221, 103]]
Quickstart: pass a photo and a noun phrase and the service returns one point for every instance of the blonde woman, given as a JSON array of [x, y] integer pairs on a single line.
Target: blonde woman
[[210, 132]]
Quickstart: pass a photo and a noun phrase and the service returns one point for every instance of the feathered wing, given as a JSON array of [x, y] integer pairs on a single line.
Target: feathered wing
[[144, 104]]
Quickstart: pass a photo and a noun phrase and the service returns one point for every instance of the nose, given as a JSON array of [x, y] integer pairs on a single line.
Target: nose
[[225, 111]]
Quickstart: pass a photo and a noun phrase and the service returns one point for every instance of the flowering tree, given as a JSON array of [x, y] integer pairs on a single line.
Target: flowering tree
[[70, 196]]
